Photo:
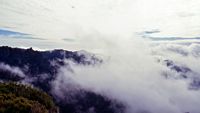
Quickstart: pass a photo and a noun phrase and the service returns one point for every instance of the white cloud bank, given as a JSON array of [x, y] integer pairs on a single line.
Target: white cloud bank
[[135, 78]]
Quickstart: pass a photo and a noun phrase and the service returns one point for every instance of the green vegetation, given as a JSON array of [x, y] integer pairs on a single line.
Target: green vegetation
[[18, 98]]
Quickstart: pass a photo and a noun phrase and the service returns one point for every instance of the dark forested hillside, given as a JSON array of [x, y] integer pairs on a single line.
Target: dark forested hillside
[[38, 63], [40, 68], [18, 98]]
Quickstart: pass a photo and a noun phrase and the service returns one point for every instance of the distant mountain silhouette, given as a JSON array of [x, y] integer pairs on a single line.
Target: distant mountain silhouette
[[184, 72]]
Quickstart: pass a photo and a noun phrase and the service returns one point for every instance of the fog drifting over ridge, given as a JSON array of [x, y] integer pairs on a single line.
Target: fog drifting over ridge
[[138, 81], [112, 28]]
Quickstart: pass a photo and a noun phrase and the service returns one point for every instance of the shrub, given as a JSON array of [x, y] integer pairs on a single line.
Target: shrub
[[18, 98]]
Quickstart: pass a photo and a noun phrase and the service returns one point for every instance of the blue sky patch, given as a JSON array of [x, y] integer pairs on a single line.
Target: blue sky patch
[[18, 35], [7, 32]]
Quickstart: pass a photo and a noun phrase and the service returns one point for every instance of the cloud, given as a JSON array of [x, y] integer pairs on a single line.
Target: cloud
[[7, 32], [173, 38], [152, 36], [95, 21], [135, 78], [183, 56], [17, 35], [68, 39], [151, 32], [14, 70]]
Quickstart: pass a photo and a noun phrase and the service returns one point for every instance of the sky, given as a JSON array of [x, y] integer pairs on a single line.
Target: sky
[[76, 24]]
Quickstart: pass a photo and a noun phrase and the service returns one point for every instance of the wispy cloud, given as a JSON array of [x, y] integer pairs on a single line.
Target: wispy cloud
[[68, 39], [151, 32], [7, 32], [173, 38], [17, 35], [151, 35]]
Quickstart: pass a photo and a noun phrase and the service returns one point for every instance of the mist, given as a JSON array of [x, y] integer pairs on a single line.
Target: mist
[[133, 76], [16, 71]]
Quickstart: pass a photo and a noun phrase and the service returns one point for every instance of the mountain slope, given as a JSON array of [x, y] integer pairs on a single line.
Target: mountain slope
[[40, 69], [17, 98]]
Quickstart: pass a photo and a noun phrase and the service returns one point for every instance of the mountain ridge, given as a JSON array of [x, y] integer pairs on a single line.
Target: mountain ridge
[[40, 69]]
